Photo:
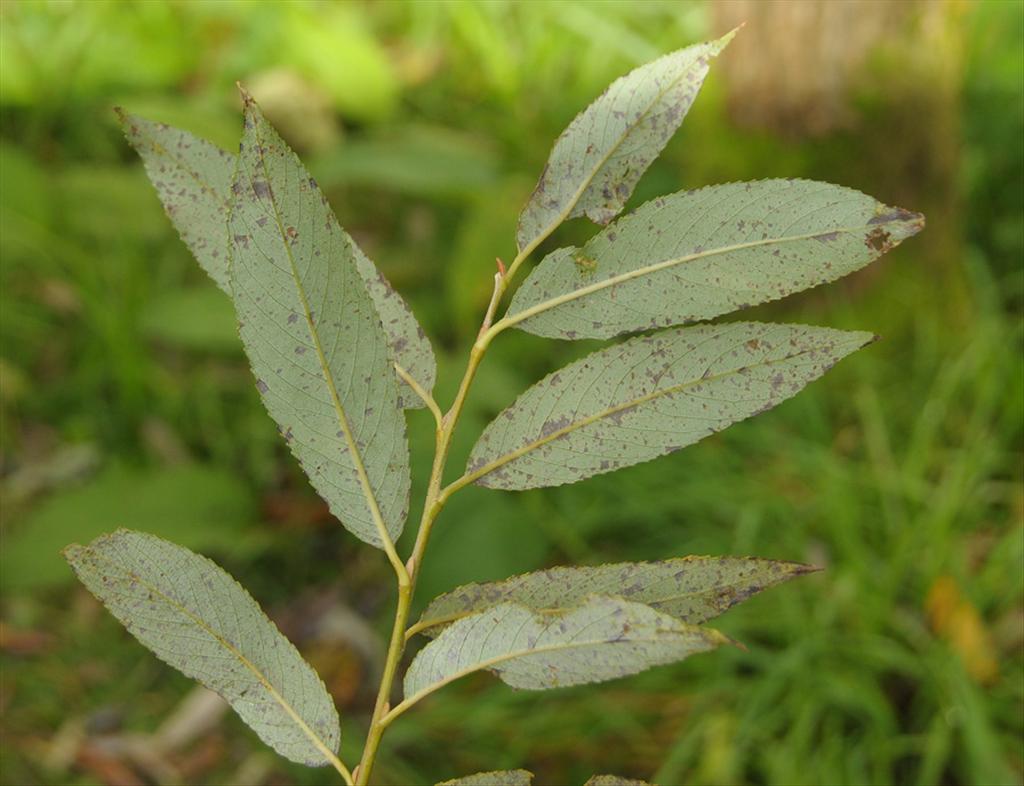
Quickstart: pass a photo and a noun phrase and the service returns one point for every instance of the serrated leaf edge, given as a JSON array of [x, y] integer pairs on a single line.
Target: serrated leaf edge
[[463, 778], [898, 216], [715, 48], [796, 569], [714, 636], [475, 475], [318, 743], [346, 428]]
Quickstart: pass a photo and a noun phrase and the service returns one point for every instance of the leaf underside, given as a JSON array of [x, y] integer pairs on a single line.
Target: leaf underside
[[695, 255], [691, 589], [314, 339], [493, 778], [198, 619], [193, 178], [601, 639], [649, 396], [597, 161]]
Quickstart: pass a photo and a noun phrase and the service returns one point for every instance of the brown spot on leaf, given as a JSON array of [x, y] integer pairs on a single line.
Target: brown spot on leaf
[[878, 240]]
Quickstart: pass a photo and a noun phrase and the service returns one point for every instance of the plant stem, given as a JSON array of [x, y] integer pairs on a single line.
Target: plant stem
[[432, 506]]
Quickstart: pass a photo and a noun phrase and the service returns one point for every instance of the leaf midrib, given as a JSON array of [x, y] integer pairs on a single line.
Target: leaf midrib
[[574, 200], [202, 625], [357, 461], [506, 458], [705, 634], [513, 319], [455, 616]]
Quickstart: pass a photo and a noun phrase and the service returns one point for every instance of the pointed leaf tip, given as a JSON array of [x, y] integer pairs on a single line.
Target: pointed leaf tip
[[726, 39], [314, 337], [649, 396], [601, 639], [247, 98], [691, 589], [173, 601], [694, 255], [192, 178], [597, 161]]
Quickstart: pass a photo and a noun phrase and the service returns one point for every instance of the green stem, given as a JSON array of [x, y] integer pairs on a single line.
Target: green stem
[[432, 506]]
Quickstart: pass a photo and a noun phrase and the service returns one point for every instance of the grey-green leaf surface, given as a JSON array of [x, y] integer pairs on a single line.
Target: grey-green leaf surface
[[192, 177], [198, 619], [493, 778], [315, 341], [649, 396], [691, 589], [614, 780], [695, 255], [601, 639], [409, 345], [597, 161]]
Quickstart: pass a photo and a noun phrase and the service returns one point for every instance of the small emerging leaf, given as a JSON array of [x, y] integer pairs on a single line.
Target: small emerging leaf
[[597, 161], [602, 639], [615, 780], [313, 336], [196, 618], [192, 177], [193, 180], [649, 396], [691, 589], [695, 255], [493, 778]]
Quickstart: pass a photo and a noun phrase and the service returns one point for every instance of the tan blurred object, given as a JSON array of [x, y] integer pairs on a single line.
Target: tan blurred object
[[301, 111], [953, 617], [792, 67]]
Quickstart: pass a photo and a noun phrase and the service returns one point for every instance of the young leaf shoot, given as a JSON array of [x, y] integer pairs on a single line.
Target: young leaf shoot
[[338, 356]]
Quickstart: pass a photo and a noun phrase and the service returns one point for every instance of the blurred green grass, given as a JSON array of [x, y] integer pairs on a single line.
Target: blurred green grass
[[900, 472]]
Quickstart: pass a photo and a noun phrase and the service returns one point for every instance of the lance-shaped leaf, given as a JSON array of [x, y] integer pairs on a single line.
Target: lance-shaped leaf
[[649, 396], [193, 179], [602, 639], [692, 589], [493, 778], [313, 336], [614, 780], [597, 161], [196, 618], [694, 255]]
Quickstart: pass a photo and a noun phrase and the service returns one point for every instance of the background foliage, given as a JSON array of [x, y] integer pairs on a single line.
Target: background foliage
[[125, 399]]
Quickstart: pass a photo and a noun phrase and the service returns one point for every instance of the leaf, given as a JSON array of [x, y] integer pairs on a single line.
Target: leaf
[[192, 178], [189, 176], [649, 396], [694, 255], [598, 160], [407, 342], [602, 639], [691, 589], [313, 336], [198, 619], [493, 778], [200, 505], [614, 780]]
